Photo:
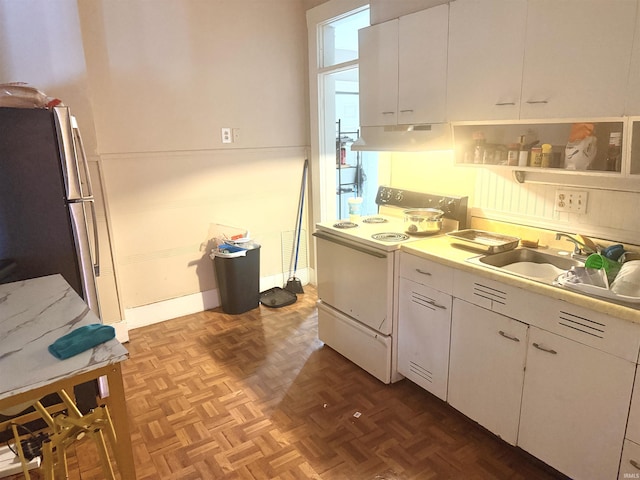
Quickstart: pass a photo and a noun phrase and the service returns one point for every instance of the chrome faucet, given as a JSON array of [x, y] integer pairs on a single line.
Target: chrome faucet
[[579, 248]]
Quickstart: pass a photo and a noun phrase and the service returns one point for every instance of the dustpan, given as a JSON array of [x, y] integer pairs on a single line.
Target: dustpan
[[277, 297], [293, 284]]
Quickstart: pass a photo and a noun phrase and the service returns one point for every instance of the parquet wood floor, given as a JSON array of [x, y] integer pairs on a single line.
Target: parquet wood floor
[[258, 396]]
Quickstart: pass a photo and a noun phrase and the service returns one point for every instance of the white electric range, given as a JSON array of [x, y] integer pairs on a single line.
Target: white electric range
[[357, 265]]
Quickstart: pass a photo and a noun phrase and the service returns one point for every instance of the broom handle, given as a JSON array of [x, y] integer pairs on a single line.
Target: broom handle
[[302, 189]]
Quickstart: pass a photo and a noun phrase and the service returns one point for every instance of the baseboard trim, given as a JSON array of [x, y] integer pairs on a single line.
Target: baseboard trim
[[152, 313]]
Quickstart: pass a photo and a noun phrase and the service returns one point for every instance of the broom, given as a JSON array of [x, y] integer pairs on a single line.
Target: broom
[[293, 284]]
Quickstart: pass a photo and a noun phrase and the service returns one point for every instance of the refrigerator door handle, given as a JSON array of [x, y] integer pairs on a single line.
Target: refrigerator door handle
[[77, 213], [82, 158], [96, 243], [66, 146]]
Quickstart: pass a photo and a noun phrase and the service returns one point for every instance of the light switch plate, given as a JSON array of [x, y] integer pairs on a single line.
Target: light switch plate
[[574, 201]]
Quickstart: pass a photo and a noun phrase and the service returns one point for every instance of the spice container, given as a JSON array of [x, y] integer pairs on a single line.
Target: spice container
[[545, 161], [536, 156]]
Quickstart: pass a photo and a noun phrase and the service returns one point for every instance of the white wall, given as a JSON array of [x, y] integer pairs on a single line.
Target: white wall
[[165, 77], [158, 80], [611, 215], [41, 44], [494, 194]]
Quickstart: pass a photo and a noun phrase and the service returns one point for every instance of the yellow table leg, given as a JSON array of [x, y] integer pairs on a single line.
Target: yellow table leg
[[120, 419]]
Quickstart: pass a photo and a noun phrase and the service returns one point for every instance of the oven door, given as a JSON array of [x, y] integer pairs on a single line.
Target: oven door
[[357, 280]]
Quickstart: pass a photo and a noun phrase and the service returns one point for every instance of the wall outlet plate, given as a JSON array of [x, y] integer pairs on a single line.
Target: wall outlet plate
[[225, 132], [574, 201]]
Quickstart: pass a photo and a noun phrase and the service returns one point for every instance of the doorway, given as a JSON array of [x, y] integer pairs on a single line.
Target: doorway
[[338, 173]]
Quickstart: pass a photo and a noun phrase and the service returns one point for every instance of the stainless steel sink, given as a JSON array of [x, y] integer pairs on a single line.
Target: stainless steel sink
[[529, 263]]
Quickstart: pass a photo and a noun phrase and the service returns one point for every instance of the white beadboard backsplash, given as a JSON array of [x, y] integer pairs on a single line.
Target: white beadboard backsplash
[[611, 215]]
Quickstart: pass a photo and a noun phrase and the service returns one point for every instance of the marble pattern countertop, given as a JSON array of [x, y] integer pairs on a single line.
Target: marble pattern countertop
[[441, 249], [33, 314]]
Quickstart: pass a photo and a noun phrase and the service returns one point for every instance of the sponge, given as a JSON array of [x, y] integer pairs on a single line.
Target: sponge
[[81, 339]]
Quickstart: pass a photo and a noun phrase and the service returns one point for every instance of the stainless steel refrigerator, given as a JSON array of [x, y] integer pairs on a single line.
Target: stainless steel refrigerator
[[47, 213]]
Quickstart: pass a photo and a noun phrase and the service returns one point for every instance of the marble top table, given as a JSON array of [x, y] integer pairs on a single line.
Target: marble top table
[[33, 314]]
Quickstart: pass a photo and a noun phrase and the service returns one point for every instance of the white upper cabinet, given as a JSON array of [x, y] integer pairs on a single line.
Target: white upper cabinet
[[422, 79], [486, 48], [403, 69], [577, 56], [511, 59], [633, 88], [378, 66]]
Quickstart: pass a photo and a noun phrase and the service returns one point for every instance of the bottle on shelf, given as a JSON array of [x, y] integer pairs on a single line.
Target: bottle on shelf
[[478, 151], [614, 153], [523, 154], [512, 154]]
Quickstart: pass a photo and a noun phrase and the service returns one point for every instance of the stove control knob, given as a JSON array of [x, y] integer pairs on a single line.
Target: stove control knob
[[450, 206], [399, 196]]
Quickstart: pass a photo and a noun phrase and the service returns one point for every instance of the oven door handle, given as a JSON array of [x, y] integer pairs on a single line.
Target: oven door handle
[[331, 238]]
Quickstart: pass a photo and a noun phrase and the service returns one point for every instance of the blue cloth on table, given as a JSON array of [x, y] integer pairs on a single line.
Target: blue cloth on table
[[81, 339]]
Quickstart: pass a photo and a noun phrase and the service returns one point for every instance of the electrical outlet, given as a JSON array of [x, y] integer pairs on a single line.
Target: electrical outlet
[[226, 135], [574, 201]]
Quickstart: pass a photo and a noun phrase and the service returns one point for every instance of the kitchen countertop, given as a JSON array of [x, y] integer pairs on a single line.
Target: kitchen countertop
[[33, 314], [441, 249]]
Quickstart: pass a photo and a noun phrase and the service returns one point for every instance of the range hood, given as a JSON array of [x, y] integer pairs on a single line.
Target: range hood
[[404, 138]]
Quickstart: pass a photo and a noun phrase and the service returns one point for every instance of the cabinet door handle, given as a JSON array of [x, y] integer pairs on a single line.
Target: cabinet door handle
[[548, 350], [507, 336], [502, 104], [437, 305], [388, 113], [532, 102], [423, 272], [634, 464], [406, 111]]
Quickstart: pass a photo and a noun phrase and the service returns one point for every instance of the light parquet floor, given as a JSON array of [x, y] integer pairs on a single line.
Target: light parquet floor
[[258, 396]]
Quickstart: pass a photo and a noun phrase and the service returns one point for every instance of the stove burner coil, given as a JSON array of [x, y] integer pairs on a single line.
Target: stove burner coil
[[345, 225], [375, 220], [390, 237]]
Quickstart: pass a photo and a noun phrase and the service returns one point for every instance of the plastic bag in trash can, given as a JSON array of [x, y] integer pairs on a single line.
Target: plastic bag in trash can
[[228, 251]]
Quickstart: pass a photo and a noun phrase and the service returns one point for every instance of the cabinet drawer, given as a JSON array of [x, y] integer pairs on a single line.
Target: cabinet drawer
[[426, 272], [630, 463], [484, 292], [606, 333]]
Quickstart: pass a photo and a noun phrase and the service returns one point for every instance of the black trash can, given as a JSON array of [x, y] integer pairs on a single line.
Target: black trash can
[[238, 274]]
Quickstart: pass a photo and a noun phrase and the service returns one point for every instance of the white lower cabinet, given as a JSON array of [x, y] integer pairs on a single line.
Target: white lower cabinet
[[424, 319], [553, 378], [575, 404], [486, 368]]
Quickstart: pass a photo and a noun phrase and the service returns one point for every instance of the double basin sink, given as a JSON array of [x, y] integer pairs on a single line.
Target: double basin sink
[[529, 263]]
